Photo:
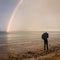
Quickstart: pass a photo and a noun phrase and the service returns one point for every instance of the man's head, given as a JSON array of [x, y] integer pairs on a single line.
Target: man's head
[[45, 35]]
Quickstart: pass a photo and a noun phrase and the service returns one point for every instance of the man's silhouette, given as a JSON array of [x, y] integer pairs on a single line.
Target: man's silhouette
[[44, 37]]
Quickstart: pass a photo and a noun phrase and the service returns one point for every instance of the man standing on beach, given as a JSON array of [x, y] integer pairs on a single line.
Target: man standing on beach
[[44, 37]]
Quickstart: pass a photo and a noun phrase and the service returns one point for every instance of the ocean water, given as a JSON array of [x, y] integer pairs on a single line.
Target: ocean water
[[26, 40]]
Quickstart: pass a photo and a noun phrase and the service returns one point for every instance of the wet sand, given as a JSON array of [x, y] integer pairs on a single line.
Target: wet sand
[[52, 54], [29, 46]]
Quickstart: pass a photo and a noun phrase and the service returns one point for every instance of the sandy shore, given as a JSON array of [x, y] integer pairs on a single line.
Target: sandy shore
[[52, 54]]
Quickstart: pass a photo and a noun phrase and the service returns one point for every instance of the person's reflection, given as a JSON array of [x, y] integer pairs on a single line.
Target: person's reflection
[[3, 42]]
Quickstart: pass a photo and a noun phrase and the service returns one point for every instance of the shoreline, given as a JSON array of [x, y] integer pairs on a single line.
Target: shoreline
[[53, 53]]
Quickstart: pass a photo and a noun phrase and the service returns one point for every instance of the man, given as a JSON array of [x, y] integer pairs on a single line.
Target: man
[[44, 37]]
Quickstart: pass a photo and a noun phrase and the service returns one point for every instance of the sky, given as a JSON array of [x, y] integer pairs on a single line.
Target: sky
[[6, 8], [32, 15]]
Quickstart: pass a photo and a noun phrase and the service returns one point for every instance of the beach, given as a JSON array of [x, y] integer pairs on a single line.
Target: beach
[[29, 46], [52, 54]]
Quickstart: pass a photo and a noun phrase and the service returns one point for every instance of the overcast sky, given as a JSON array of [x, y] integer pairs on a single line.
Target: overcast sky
[[32, 15], [6, 8]]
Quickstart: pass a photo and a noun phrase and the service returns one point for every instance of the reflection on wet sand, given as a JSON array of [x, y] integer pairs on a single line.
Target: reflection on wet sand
[[3, 42], [26, 45]]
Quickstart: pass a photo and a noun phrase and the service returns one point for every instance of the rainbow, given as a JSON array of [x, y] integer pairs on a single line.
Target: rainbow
[[13, 14]]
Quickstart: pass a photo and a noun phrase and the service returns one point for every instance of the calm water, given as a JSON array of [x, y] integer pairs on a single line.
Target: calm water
[[20, 41]]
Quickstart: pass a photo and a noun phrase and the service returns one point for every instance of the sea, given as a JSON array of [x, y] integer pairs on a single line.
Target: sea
[[26, 40]]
